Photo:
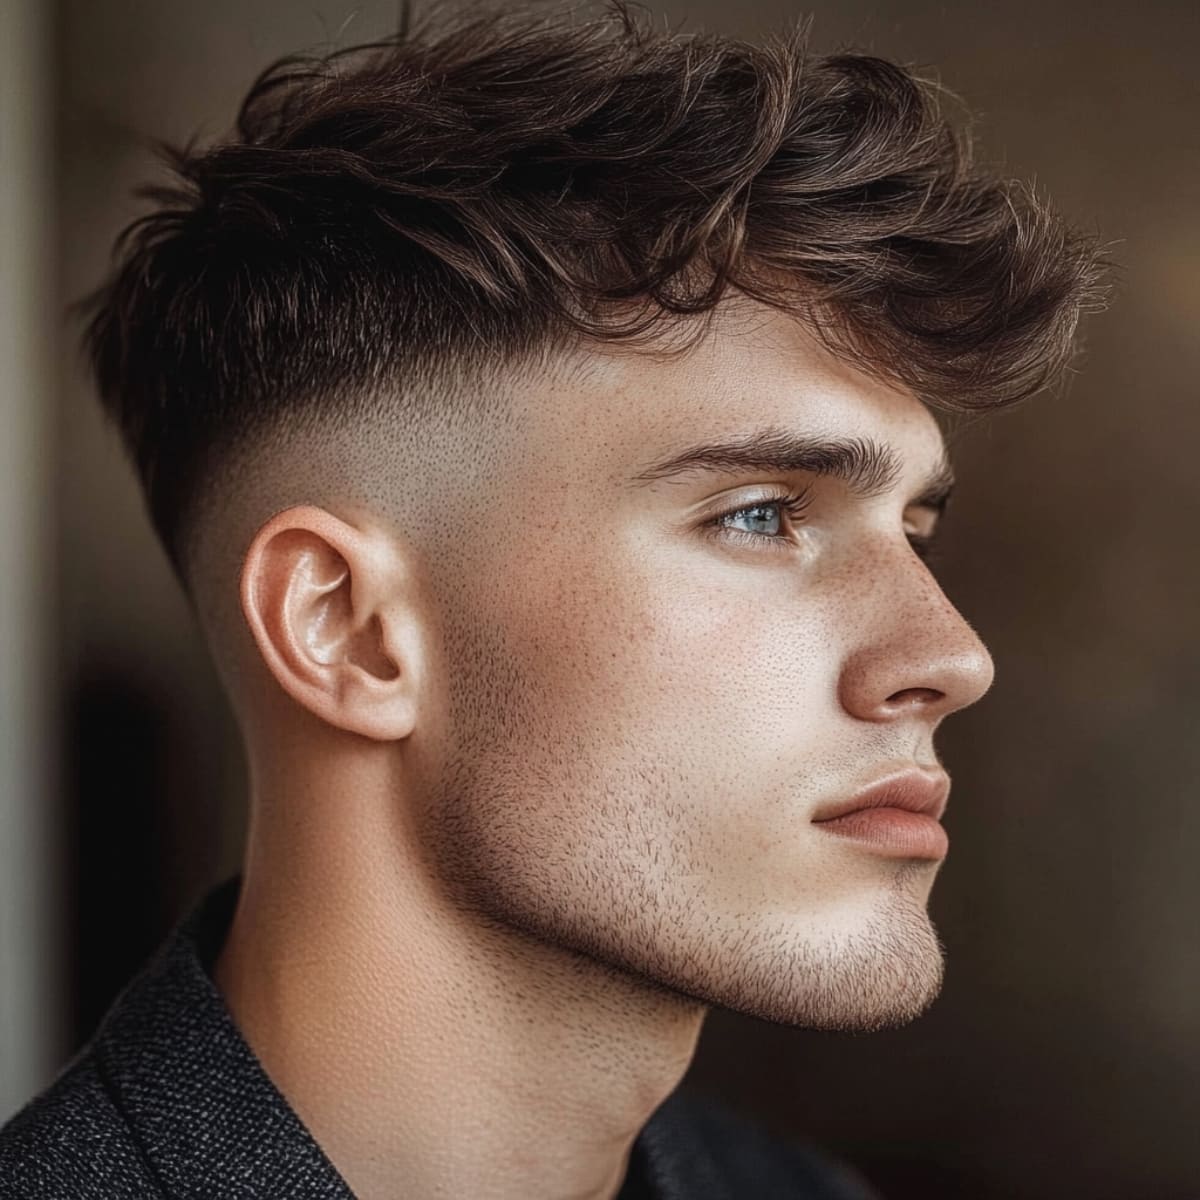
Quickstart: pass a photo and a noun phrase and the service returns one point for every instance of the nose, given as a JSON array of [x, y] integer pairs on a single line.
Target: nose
[[918, 657]]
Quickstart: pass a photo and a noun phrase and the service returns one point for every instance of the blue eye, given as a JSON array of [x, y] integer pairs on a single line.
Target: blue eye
[[755, 513], [794, 503], [775, 535]]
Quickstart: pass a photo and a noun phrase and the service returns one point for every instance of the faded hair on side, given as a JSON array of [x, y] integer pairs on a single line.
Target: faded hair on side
[[458, 197]]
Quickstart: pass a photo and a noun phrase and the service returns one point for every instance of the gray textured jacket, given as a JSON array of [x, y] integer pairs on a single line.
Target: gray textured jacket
[[168, 1100]]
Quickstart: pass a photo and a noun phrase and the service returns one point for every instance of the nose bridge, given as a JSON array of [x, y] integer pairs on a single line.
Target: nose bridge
[[915, 644]]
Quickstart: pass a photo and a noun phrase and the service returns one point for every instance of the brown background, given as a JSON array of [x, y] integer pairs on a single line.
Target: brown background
[[1063, 1058]]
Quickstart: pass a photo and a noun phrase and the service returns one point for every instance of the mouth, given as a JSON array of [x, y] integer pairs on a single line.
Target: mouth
[[898, 816]]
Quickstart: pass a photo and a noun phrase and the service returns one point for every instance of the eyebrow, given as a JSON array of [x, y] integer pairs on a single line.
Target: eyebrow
[[869, 468]]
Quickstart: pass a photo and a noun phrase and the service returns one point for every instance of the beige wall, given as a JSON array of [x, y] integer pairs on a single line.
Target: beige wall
[[31, 1013], [1064, 1055]]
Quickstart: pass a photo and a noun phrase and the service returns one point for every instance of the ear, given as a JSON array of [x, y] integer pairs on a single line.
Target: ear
[[331, 607]]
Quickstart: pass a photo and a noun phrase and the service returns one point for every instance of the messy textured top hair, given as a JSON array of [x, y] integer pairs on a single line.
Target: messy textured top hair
[[415, 208]]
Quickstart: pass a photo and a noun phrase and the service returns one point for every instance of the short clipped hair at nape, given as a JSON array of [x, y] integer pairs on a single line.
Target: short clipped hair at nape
[[457, 198]]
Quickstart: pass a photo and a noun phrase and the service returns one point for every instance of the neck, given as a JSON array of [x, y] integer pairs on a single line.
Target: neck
[[430, 1051]]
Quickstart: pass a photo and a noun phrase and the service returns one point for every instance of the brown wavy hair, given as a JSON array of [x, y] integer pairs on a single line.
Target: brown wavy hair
[[451, 199]]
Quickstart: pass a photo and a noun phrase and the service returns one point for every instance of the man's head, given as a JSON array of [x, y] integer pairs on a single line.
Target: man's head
[[538, 416]]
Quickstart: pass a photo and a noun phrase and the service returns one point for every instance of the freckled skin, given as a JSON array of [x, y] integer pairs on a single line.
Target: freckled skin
[[534, 756], [645, 721]]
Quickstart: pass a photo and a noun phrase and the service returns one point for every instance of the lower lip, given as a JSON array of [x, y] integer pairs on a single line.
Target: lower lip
[[892, 831]]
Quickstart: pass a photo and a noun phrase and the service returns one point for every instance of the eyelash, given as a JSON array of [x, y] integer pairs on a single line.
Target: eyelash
[[795, 503]]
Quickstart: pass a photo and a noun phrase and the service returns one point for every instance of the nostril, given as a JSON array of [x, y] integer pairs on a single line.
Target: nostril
[[911, 697]]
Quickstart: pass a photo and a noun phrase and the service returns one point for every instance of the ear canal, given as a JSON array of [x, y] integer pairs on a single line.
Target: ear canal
[[367, 651]]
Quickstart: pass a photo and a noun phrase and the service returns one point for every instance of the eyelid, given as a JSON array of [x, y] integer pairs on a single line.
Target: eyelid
[[767, 493], [935, 518], [794, 502], [791, 501]]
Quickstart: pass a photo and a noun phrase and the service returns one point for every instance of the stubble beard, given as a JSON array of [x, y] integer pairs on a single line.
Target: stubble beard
[[509, 868], [880, 973]]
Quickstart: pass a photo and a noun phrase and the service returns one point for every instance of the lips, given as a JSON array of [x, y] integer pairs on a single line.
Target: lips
[[898, 815], [912, 790]]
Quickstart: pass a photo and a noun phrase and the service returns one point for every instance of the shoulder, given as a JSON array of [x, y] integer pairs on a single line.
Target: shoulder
[[753, 1160], [70, 1142]]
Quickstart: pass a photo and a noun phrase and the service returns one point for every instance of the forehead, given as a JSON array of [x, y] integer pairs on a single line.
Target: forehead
[[625, 409]]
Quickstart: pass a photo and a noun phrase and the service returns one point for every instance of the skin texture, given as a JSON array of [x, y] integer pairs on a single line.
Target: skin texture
[[535, 753]]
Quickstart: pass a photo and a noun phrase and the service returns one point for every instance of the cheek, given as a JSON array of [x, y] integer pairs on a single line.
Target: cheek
[[663, 731], [708, 671]]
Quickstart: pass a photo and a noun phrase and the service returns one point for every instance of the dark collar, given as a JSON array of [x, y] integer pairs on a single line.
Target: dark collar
[[211, 1122]]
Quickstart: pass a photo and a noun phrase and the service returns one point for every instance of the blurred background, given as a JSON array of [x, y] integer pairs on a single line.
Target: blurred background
[[1063, 1057]]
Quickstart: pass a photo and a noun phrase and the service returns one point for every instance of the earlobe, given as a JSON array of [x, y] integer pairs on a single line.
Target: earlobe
[[327, 605]]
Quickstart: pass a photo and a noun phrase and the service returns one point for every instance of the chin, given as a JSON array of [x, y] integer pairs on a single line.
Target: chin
[[873, 970], [854, 987]]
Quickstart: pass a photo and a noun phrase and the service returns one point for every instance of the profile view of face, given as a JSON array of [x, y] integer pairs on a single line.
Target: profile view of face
[[652, 681]]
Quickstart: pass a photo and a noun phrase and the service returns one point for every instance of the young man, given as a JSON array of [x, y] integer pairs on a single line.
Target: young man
[[539, 417]]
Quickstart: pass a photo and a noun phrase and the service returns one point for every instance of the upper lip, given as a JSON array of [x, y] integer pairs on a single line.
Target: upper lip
[[912, 789]]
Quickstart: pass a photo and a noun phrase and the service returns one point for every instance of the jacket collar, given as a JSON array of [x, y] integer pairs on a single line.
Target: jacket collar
[[203, 1108], [211, 1122]]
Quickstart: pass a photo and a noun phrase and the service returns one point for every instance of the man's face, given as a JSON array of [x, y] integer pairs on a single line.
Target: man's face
[[647, 701]]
